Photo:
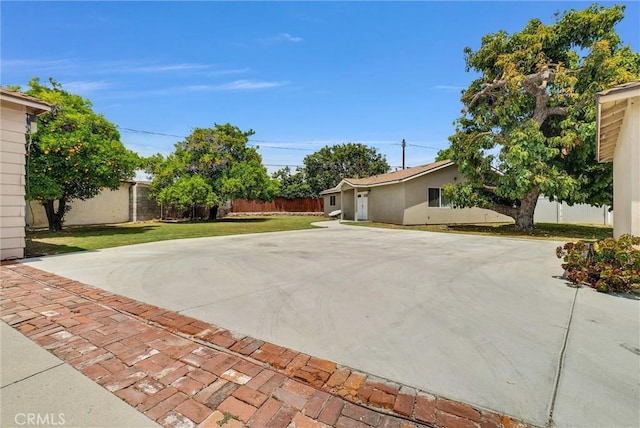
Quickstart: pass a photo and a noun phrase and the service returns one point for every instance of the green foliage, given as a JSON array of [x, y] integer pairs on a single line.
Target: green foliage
[[215, 162], [75, 153], [325, 168], [530, 115], [608, 265], [292, 186], [187, 191]]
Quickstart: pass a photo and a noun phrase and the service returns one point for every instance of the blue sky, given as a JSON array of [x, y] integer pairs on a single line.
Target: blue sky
[[302, 75]]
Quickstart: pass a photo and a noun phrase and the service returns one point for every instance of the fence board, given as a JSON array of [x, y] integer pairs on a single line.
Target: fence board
[[278, 205]]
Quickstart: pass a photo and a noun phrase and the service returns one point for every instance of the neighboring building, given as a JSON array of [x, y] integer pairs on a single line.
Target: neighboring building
[[409, 196], [17, 118], [618, 137], [130, 202]]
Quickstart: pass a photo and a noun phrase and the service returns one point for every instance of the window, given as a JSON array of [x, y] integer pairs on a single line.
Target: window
[[436, 198], [332, 201]]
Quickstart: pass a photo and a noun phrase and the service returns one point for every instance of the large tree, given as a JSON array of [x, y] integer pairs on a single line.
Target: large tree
[[218, 162], [75, 154], [326, 167], [292, 185], [528, 127]]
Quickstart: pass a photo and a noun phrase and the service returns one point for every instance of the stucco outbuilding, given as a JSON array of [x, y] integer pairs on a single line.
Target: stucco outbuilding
[[410, 196], [618, 140]]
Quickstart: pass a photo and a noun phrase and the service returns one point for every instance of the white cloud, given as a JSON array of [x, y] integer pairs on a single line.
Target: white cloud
[[159, 68], [83, 87], [286, 37], [36, 66], [236, 85], [448, 87], [243, 85], [281, 38]]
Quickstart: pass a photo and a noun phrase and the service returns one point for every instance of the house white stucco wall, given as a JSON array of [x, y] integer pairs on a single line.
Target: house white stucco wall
[[417, 210], [626, 173]]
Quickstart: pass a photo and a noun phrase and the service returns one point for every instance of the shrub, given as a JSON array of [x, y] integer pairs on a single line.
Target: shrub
[[608, 265]]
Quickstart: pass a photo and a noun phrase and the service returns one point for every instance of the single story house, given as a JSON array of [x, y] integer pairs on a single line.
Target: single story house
[[17, 118], [410, 196], [618, 140]]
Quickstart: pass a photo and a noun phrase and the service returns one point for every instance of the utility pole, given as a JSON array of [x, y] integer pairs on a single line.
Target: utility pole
[[404, 145]]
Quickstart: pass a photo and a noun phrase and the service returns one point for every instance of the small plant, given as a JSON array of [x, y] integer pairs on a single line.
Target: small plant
[[608, 265]]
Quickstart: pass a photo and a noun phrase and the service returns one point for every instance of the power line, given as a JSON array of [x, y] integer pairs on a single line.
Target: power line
[[251, 142], [139, 131], [416, 145], [287, 148]]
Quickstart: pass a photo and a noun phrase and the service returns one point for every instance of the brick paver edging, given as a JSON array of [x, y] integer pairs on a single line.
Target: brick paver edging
[[180, 371]]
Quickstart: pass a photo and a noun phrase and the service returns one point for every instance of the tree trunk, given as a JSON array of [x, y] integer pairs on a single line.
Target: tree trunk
[[524, 215], [213, 212], [55, 218]]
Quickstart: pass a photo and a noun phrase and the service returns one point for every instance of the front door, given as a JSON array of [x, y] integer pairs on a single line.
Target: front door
[[363, 206]]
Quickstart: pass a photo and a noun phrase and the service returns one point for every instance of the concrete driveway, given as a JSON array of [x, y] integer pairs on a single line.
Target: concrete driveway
[[476, 319]]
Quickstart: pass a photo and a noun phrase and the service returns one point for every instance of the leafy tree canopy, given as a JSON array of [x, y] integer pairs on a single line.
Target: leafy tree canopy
[[325, 168], [218, 162], [292, 185], [75, 153], [528, 127]]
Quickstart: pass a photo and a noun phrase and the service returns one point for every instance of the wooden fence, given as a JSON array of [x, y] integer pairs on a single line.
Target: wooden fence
[[278, 205]]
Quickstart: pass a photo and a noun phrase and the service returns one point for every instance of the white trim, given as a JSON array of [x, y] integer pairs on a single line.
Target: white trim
[[42, 108]]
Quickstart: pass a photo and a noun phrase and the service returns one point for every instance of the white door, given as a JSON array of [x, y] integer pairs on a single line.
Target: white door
[[363, 206]]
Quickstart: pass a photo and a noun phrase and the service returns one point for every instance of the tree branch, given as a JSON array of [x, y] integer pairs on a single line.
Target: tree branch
[[535, 84], [504, 209], [485, 92]]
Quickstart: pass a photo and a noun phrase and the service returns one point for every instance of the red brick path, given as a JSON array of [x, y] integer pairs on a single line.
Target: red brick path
[[180, 371]]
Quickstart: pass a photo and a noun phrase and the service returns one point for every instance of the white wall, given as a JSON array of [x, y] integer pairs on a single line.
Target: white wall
[[626, 173], [555, 212], [108, 207], [328, 208], [417, 210]]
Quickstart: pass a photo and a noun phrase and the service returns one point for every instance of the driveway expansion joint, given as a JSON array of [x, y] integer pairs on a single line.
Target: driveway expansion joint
[[178, 370], [563, 348]]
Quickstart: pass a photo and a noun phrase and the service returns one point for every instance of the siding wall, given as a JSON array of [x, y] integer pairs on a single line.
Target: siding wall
[[12, 180]]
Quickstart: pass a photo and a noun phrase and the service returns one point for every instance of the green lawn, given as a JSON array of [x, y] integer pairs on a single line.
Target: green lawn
[[552, 231], [96, 237]]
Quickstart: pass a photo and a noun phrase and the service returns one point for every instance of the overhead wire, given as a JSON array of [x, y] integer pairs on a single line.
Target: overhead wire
[[269, 146]]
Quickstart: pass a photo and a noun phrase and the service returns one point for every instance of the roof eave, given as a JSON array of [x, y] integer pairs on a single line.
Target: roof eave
[[611, 96], [37, 107]]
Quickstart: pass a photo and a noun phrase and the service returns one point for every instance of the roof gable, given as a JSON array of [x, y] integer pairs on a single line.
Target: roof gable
[[398, 176]]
